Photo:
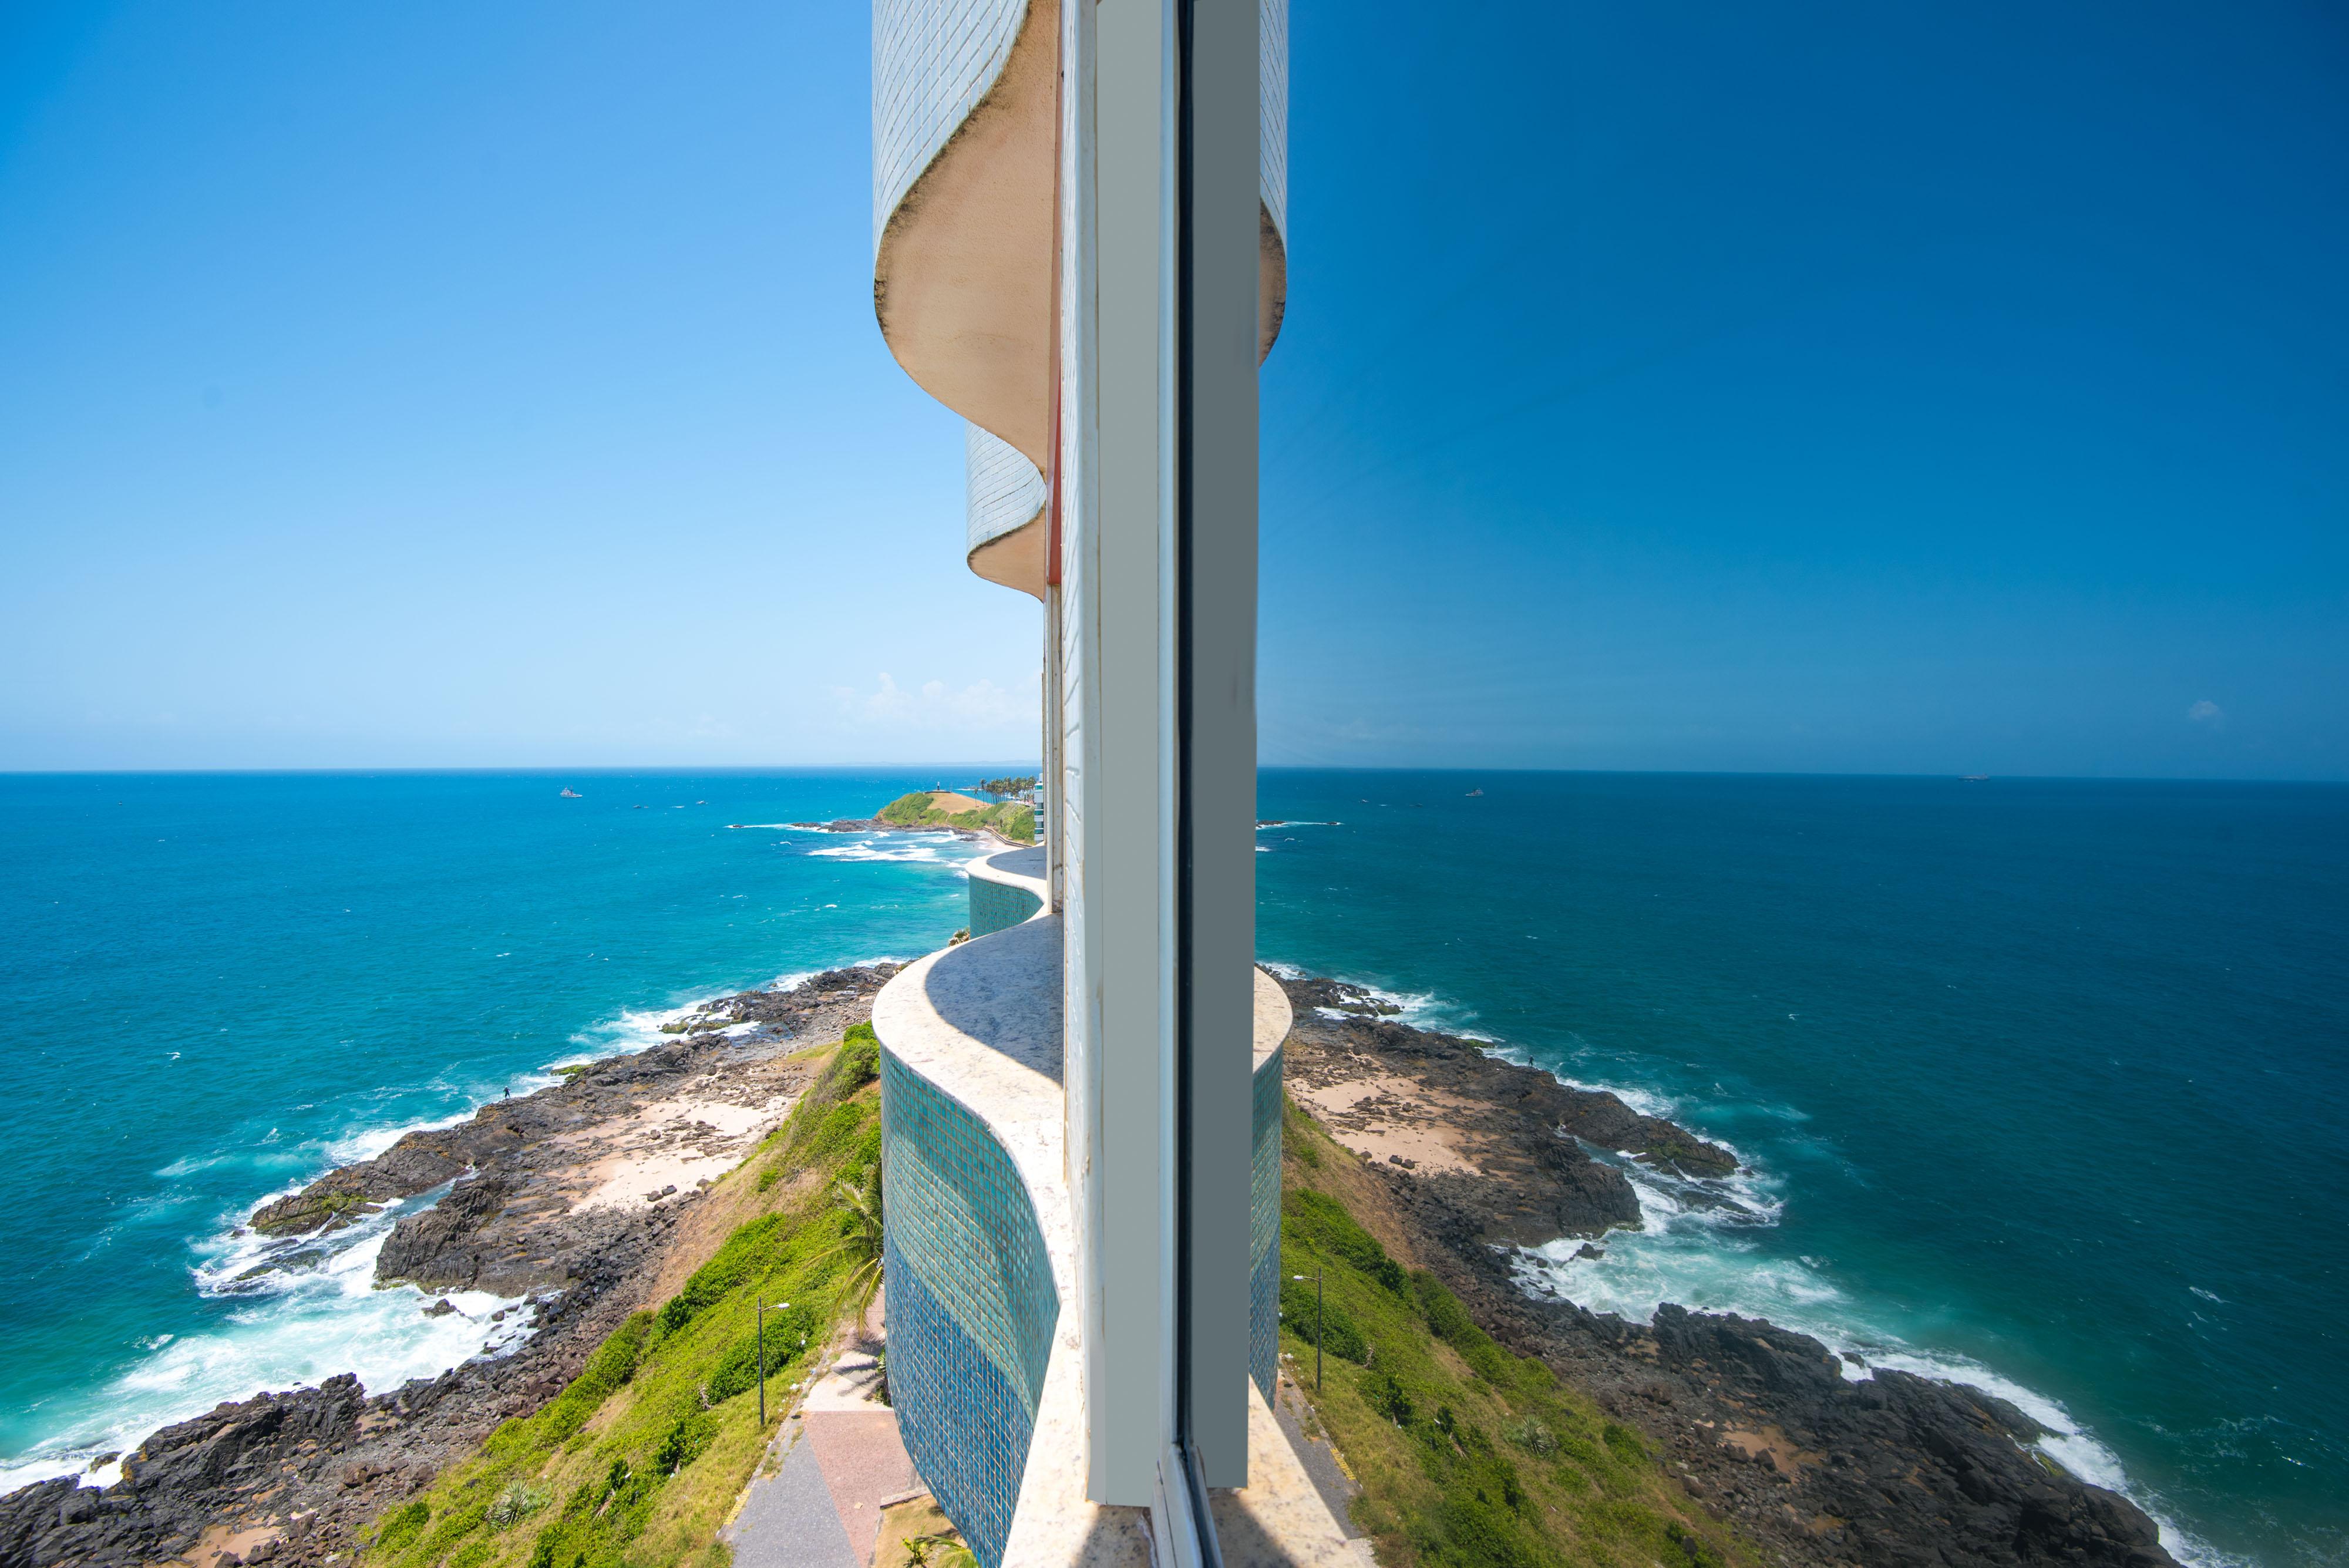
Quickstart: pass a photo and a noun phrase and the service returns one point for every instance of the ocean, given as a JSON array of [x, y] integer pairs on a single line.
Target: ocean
[[2042, 1084]]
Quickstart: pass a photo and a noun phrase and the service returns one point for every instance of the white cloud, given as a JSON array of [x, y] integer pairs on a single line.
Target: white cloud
[[981, 707], [2207, 712]]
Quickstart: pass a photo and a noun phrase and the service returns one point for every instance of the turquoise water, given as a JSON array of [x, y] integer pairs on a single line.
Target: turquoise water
[[2043, 1083], [224, 985]]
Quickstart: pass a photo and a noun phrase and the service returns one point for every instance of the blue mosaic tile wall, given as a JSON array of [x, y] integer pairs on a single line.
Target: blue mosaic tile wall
[[1264, 1229], [995, 908], [972, 1306]]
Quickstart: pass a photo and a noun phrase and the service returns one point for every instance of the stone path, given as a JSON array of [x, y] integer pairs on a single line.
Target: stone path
[[841, 1463]]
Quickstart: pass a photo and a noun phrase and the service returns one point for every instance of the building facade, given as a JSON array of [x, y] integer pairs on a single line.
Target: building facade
[[1080, 246]]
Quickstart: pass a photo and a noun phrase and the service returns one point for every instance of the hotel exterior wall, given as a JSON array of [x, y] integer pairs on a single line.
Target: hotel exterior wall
[[972, 1304], [1264, 1227], [977, 1222]]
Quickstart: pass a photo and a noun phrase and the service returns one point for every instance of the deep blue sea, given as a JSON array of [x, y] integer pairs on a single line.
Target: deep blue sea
[[2042, 1083]]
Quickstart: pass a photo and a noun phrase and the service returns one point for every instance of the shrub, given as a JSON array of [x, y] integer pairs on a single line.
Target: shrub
[[738, 1371], [1384, 1392], [403, 1524], [1451, 1323], [614, 1362], [1625, 1443], [744, 1249], [514, 1505], [1533, 1436], [685, 1443], [1326, 1221], [859, 1062], [1337, 1333]]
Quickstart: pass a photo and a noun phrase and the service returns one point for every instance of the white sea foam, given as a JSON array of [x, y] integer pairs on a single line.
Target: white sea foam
[[307, 1308], [1697, 1246], [1421, 1008], [366, 1143], [925, 848], [317, 1314]]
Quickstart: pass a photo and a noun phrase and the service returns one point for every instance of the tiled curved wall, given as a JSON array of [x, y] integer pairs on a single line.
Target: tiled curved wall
[[932, 61], [996, 905], [1005, 490], [935, 62], [971, 1304], [1272, 172], [1263, 1228]]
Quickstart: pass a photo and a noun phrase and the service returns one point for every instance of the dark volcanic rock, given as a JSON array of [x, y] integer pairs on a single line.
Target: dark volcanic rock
[[1502, 1147], [296, 1476], [514, 1222], [417, 1163], [180, 1481], [439, 1248], [1916, 1470]]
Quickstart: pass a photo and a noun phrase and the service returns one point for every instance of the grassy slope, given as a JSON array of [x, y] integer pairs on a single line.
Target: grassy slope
[[638, 1461], [1008, 819], [1467, 1454]]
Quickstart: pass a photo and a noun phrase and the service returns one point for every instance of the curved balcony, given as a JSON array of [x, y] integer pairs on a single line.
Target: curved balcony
[[965, 140], [983, 1364], [979, 1235], [1006, 495], [1006, 889]]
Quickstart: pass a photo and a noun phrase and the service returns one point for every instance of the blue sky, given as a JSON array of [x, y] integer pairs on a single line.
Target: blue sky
[[1718, 386]]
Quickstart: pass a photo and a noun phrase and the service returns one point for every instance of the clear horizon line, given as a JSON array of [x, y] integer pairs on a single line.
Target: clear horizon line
[[1464, 770]]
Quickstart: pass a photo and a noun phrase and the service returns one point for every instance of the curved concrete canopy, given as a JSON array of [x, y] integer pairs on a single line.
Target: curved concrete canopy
[[962, 282], [1006, 500], [963, 264]]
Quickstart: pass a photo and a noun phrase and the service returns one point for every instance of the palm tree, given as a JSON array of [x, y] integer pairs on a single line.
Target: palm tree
[[861, 1238]]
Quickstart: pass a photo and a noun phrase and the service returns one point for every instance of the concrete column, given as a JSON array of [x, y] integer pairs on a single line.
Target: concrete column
[[1118, 593], [1216, 512], [1157, 618]]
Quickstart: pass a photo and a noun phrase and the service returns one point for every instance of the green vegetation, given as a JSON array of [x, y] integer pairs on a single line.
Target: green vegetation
[[1009, 786], [1469, 1455], [636, 1462], [1008, 820]]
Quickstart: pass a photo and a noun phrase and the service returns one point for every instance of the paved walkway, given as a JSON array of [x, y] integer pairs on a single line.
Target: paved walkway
[[1315, 1453], [842, 1461]]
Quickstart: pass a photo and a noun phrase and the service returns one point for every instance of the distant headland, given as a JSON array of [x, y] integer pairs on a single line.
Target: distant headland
[[1012, 821]]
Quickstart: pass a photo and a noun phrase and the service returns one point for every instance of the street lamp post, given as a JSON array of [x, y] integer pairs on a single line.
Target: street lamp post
[[1320, 1320], [763, 1310]]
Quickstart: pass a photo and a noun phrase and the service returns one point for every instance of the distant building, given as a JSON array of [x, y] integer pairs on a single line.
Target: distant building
[[1080, 246]]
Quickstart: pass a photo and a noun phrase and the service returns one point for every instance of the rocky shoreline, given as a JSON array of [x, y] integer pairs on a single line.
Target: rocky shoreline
[[1469, 1159], [875, 825], [572, 1199]]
